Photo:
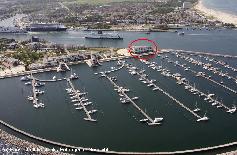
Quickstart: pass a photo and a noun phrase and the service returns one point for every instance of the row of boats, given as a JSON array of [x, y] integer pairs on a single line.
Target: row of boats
[[209, 66], [36, 92], [80, 101], [208, 97]]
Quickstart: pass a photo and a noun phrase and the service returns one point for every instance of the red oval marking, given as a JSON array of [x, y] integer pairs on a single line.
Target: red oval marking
[[155, 49]]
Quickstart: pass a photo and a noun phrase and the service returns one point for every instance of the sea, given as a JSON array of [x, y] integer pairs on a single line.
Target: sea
[[227, 6]]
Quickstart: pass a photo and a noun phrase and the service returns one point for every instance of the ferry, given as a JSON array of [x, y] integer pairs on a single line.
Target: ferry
[[101, 35]]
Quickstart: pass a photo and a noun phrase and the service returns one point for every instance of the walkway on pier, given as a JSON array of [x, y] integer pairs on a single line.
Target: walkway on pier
[[79, 99], [133, 103], [171, 97]]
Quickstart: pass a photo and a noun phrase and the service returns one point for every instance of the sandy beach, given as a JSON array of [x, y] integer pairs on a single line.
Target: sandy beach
[[218, 15]]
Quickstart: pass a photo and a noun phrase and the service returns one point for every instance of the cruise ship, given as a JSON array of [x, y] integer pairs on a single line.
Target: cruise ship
[[101, 35], [45, 27], [12, 30]]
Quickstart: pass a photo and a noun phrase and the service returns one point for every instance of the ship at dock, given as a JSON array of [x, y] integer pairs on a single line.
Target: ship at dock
[[12, 30], [45, 27], [101, 35]]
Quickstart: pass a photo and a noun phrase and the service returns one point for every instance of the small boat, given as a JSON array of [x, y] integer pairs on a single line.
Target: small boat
[[25, 78], [79, 108], [73, 76], [156, 88], [220, 105], [75, 100], [30, 98], [92, 111], [204, 118], [39, 84], [196, 108], [144, 120], [28, 83], [232, 110], [135, 98], [158, 119]]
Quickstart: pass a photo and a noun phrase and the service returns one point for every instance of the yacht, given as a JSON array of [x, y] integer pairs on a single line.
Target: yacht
[[38, 92], [214, 103], [79, 108], [76, 100], [196, 108], [92, 111], [144, 120], [232, 110], [39, 84], [156, 88], [25, 78], [154, 123], [135, 98], [158, 119], [204, 118], [125, 101], [220, 105], [87, 103], [73, 76], [28, 83], [30, 98]]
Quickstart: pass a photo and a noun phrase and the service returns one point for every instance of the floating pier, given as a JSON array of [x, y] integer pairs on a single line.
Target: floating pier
[[122, 91], [88, 118]]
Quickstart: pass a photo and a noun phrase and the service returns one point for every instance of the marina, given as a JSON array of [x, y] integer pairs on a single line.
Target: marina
[[118, 77], [116, 72], [165, 96]]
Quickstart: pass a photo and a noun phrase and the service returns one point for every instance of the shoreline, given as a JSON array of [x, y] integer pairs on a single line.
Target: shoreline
[[23, 146], [218, 15]]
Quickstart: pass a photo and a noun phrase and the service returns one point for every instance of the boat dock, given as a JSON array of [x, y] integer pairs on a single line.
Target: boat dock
[[88, 118], [123, 92], [167, 94], [203, 76], [199, 53]]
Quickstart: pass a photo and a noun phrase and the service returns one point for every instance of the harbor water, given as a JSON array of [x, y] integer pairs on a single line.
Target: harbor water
[[118, 127]]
